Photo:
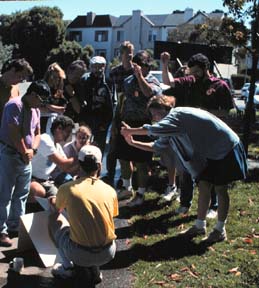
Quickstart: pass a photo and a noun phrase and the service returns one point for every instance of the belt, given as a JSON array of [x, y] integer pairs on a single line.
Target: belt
[[93, 249]]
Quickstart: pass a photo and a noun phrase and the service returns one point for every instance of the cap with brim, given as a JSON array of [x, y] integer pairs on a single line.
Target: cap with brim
[[97, 60], [90, 150]]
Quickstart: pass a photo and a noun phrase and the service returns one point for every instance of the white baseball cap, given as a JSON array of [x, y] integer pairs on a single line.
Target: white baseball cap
[[97, 60], [90, 150]]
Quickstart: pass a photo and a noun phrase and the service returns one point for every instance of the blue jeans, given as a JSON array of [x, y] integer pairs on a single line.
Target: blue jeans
[[187, 185], [15, 177]]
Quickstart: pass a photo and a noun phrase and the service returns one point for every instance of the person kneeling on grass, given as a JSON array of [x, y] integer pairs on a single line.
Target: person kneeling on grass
[[87, 237], [204, 146]]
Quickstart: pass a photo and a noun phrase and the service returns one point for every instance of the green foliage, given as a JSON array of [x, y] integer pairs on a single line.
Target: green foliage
[[6, 52], [67, 52], [115, 62], [36, 31]]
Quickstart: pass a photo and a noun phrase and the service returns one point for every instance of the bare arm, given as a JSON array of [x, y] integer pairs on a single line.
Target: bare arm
[[65, 164], [126, 130], [167, 76], [55, 108], [146, 146]]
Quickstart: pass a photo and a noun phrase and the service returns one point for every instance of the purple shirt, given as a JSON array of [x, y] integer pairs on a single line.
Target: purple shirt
[[28, 119]]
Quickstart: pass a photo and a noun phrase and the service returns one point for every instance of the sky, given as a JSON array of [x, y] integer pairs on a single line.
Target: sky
[[73, 8]]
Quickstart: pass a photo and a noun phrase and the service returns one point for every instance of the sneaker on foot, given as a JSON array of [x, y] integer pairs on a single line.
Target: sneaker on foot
[[5, 241], [182, 210], [211, 214], [124, 193], [170, 193], [61, 272], [216, 236], [193, 231], [136, 201]]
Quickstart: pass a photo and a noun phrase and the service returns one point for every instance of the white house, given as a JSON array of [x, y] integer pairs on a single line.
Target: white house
[[106, 32]]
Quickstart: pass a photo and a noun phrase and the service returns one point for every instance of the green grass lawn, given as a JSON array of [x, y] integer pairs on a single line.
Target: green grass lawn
[[159, 257]]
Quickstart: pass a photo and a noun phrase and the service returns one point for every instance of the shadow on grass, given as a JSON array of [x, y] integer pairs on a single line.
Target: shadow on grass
[[159, 225], [172, 248], [148, 206]]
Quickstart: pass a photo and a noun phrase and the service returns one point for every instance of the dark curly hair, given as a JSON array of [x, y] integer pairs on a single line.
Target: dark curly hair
[[62, 121], [200, 60]]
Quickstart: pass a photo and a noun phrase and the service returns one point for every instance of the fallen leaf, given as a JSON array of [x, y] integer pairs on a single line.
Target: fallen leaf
[[253, 252], [158, 265], [176, 277], [180, 227], [256, 235], [184, 269], [193, 274], [250, 201], [211, 249], [233, 270], [248, 240], [238, 273], [193, 267], [242, 213], [145, 237]]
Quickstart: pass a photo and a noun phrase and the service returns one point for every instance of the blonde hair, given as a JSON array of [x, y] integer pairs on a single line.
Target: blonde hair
[[54, 76]]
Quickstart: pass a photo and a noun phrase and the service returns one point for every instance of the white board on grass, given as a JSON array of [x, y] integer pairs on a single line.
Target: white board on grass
[[34, 230]]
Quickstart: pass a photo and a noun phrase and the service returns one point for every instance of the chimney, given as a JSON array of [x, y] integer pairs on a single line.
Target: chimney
[[188, 13], [90, 18]]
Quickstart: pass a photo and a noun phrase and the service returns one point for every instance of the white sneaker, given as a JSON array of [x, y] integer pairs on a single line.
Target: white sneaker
[[137, 201], [211, 214], [170, 193], [182, 210], [61, 272]]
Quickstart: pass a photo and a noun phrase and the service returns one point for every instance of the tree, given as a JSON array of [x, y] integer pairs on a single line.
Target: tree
[[243, 9], [69, 51], [6, 52], [36, 31]]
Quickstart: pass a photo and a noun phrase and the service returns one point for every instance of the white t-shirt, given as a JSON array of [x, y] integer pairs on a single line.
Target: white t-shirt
[[41, 165]]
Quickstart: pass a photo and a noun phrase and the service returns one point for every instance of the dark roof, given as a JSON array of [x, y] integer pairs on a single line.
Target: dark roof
[[99, 21]]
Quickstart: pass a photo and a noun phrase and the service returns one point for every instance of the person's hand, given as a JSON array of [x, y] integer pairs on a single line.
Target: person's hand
[[125, 129], [27, 156], [129, 139], [137, 70], [165, 58]]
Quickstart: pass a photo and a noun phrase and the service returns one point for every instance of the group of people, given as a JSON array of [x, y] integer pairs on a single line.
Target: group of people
[[40, 158]]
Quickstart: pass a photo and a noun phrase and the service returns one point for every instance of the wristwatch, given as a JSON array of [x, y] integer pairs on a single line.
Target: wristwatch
[[35, 151]]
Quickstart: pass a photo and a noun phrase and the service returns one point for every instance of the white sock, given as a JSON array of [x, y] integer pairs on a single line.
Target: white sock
[[127, 183], [220, 226], [200, 223], [141, 190]]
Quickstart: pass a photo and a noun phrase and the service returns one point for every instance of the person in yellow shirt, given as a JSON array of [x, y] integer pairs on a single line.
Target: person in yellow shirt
[[87, 237]]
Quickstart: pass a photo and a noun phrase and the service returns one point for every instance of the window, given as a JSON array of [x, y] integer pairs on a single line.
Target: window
[[120, 35], [75, 35], [100, 52], [152, 36], [116, 52], [101, 36]]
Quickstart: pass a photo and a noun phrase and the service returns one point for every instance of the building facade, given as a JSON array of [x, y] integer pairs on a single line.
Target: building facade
[[106, 32]]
